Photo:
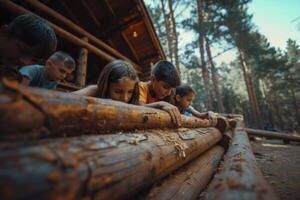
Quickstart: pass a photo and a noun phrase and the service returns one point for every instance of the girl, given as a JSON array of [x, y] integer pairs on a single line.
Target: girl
[[117, 81], [183, 99]]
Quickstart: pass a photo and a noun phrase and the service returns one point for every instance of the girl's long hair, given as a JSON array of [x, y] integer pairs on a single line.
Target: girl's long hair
[[113, 72]]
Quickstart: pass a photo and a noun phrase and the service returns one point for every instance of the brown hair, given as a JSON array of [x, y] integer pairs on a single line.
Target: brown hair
[[182, 90], [113, 72]]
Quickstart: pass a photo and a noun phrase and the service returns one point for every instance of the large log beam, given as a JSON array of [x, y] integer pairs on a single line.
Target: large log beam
[[113, 166], [25, 111], [272, 135], [240, 177], [191, 179]]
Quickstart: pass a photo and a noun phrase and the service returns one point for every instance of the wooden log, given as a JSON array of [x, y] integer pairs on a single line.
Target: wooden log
[[240, 177], [45, 9], [82, 66], [25, 110], [272, 135], [187, 182], [63, 33], [113, 166]]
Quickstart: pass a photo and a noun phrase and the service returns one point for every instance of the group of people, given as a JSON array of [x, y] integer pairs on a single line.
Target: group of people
[[29, 40]]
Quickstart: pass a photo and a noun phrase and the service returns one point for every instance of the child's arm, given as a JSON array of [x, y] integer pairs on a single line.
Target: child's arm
[[172, 110], [204, 115], [90, 90]]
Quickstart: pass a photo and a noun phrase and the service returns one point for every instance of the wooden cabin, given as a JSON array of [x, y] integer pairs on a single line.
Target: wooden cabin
[[95, 32]]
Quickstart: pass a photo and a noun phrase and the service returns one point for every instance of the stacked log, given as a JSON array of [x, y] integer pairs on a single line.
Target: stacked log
[[240, 177], [272, 135], [28, 113], [111, 166], [190, 180], [132, 148]]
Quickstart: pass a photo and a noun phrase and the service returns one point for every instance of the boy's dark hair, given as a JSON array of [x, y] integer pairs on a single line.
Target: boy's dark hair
[[166, 71], [36, 33], [184, 90], [61, 56], [113, 72]]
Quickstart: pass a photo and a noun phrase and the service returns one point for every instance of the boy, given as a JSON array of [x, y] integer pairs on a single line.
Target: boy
[[26, 40], [56, 68], [157, 92]]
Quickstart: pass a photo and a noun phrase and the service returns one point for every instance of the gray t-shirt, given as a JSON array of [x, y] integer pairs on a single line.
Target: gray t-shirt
[[36, 75]]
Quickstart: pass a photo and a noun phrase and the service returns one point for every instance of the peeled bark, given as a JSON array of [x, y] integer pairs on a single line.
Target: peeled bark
[[113, 166], [191, 179], [240, 177], [27, 111]]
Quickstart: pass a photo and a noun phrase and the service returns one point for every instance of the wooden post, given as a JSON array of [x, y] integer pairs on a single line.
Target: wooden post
[[240, 177], [114, 166], [82, 66], [45, 9], [187, 182], [272, 135], [26, 110]]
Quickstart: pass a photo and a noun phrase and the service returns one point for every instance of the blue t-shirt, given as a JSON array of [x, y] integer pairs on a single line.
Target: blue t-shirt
[[188, 112], [36, 75]]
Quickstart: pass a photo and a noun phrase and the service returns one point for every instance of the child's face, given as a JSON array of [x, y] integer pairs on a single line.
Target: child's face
[[122, 90], [185, 101], [160, 88], [57, 71]]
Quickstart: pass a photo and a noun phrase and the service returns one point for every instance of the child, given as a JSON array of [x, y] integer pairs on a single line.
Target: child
[[184, 97], [56, 68], [117, 81], [158, 91], [26, 40]]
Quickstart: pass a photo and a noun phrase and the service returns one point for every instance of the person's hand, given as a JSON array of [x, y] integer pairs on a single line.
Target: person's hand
[[173, 112], [212, 117]]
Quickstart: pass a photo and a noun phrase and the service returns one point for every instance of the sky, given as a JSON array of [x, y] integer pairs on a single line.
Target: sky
[[276, 20]]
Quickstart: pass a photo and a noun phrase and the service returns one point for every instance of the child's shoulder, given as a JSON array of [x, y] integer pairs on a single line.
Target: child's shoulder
[[32, 67]]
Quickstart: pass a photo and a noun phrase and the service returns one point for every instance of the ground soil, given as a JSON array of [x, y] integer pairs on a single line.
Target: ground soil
[[280, 165]]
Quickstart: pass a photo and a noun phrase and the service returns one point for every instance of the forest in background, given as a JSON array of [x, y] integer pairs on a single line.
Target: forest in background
[[262, 83]]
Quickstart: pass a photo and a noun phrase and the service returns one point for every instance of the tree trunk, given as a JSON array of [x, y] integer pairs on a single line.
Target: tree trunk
[[296, 107], [175, 37], [24, 111], [167, 27], [205, 72], [114, 166], [278, 111], [249, 86], [82, 66], [190, 180], [215, 78], [240, 177]]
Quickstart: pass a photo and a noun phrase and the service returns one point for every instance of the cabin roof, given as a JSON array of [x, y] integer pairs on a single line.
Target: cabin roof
[[124, 25]]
